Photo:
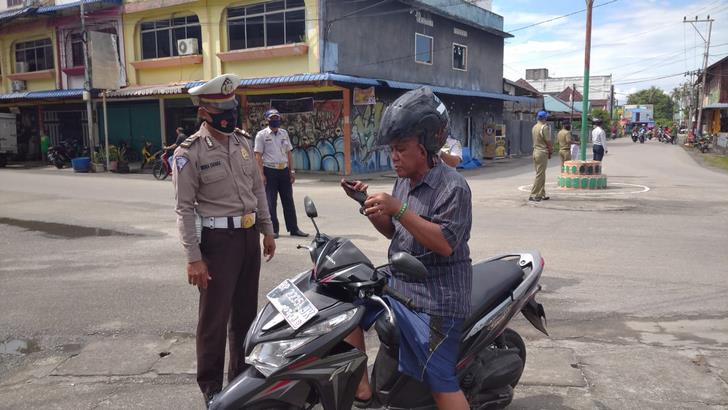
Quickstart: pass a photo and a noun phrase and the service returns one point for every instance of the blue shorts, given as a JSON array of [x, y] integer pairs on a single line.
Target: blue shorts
[[428, 346]]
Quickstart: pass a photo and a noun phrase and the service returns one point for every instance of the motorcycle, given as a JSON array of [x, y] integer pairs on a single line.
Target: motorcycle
[[60, 154], [161, 168], [296, 345], [634, 136], [703, 144]]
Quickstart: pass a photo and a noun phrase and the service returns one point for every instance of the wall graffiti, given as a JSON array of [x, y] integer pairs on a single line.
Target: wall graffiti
[[366, 156], [317, 136]]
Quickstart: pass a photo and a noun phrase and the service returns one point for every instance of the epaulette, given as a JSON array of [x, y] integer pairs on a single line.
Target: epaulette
[[189, 141]]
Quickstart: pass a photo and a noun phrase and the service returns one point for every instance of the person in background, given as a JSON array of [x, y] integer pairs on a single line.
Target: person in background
[[452, 152], [275, 161], [599, 140], [542, 150], [564, 140]]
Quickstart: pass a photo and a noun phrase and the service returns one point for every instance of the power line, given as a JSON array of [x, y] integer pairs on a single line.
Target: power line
[[559, 17]]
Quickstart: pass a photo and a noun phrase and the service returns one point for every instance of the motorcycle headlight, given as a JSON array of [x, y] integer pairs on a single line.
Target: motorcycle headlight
[[268, 357], [328, 325]]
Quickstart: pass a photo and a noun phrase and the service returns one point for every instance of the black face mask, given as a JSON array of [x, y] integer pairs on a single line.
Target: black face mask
[[224, 122]]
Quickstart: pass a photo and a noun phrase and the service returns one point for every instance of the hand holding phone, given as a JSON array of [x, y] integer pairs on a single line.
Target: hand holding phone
[[357, 190]]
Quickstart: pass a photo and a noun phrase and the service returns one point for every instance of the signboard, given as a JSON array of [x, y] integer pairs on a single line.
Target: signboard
[[293, 106], [500, 141], [104, 59], [494, 141], [364, 96]]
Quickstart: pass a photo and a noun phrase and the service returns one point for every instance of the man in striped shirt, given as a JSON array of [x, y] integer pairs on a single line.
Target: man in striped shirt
[[428, 215]]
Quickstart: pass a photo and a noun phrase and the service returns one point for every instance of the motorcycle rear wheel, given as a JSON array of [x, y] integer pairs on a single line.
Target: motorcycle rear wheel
[[58, 163], [159, 171], [510, 339]]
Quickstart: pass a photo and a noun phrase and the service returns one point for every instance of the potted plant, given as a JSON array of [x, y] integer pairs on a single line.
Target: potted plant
[[113, 158], [97, 161], [123, 164]]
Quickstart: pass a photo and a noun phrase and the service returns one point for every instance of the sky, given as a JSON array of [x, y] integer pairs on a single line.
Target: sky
[[636, 41]]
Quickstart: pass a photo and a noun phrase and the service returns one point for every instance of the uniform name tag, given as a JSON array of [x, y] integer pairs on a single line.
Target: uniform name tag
[[210, 165]]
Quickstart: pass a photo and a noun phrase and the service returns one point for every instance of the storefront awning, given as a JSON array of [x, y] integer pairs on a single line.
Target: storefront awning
[[86, 3], [458, 91], [42, 95], [145, 91], [299, 79], [13, 14]]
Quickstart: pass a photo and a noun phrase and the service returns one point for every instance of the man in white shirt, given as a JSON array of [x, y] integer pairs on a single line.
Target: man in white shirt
[[273, 152], [599, 140], [452, 152]]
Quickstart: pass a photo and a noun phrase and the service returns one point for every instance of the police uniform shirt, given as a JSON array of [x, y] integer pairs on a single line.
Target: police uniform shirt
[[274, 146], [216, 181]]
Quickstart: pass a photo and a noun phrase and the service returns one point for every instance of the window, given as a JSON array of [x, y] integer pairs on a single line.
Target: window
[[459, 57], [423, 48], [266, 24], [159, 38], [76, 56], [38, 54], [13, 3]]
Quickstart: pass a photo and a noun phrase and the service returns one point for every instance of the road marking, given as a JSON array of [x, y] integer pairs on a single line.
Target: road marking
[[639, 189]]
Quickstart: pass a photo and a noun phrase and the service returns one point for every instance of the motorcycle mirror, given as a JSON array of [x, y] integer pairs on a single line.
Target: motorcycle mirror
[[310, 207], [409, 265]]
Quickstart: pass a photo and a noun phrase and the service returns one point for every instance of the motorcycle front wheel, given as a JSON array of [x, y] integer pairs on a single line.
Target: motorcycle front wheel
[[158, 170]]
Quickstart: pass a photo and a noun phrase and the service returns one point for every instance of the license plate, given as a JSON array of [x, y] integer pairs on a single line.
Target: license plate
[[292, 304]]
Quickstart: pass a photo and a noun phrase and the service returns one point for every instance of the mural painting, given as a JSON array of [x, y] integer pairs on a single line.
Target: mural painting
[[317, 136], [366, 157]]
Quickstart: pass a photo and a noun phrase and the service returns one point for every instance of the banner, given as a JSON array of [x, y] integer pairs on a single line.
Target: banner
[[364, 96]]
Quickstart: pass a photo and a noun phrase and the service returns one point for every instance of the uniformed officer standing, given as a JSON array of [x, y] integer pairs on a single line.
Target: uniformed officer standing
[[542, 149], [218, 186], [564, 139], [273, 153]]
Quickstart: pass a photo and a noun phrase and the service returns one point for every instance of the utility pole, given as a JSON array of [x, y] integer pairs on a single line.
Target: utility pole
[[573, 90], [701, 91], [585, 95], [87, 80], [611, 103]]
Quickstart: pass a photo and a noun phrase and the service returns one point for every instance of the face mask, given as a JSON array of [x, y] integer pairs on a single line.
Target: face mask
[[274, 123], [224, 122]]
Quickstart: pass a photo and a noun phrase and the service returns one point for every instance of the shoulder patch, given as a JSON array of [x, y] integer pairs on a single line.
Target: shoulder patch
[[181, 162], [189, 141]]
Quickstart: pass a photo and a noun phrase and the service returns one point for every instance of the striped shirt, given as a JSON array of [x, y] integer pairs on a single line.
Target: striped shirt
[[442, 197]]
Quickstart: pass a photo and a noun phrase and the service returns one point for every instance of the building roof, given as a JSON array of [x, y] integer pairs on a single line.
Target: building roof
[[555, 105], [457, 91], [564, 95], [148, 90], [524, 84], [599, 85], [42, 95], [66, 6], [465, 13]]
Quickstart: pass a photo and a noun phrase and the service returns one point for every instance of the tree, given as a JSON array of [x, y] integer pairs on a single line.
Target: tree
[[655, 96], [602, 115]]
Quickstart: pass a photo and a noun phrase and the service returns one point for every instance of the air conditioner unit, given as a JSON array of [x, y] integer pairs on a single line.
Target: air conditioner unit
[[187, 46], [18, 85], [21, 67]]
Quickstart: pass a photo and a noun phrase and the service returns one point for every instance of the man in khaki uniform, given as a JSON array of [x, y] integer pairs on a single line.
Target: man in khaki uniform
[[564, 139], [218, 186], [542, 150]]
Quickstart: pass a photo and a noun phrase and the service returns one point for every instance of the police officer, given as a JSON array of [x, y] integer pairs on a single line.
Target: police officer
[[542, 149], [273, 153], [218, 186]]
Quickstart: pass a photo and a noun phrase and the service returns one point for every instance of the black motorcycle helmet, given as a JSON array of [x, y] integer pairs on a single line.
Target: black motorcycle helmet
[[417, 113]]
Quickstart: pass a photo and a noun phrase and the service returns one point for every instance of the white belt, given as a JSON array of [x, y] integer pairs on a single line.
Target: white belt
[[227, 222]]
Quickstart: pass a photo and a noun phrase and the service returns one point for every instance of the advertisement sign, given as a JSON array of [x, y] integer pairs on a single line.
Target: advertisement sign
[[364, 96], [494, 141], [104, 58]]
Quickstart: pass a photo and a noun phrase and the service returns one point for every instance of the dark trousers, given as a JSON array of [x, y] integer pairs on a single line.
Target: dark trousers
[[598, 152], [278, 181], [229, 304]]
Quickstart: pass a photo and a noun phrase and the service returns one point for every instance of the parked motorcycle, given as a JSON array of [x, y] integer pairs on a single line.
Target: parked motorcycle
[[634, 136], [59, 154], [703, 144], [296, 345]]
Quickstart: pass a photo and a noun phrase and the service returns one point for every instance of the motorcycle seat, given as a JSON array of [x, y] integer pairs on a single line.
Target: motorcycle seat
[[492, 282]]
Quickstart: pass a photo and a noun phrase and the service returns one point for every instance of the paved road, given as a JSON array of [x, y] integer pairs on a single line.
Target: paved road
[[635, 284]]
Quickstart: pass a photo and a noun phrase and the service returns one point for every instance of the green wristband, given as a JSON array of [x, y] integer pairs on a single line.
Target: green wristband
[[401, 212]]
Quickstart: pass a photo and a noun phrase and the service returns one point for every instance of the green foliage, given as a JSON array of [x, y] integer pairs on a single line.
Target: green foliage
[[97, 157], [602, 115], [655, 96], [113, 153]]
